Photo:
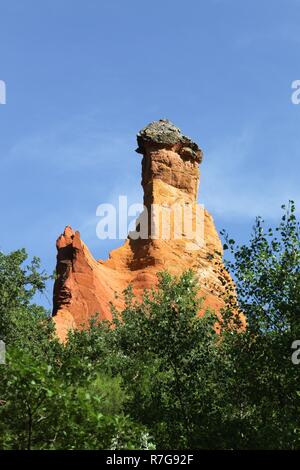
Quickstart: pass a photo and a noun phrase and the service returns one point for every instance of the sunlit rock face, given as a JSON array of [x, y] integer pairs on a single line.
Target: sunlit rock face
[[173, 233]]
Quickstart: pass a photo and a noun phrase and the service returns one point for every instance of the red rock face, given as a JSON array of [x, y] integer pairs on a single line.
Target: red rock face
[[170, 175]]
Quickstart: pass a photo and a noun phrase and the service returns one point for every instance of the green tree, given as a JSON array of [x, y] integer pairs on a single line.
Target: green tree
[[52, 396], [42, 409], [168, 358], [22, 322], [267, 279]]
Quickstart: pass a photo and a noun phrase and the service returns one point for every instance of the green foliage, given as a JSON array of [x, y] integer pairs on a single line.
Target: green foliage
[[267, 276], [159, 375], [20, 319], [41, 409], [162, 345], [51, 396]]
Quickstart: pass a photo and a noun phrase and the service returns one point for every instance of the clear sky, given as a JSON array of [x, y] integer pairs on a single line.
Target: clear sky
[[83, 77]]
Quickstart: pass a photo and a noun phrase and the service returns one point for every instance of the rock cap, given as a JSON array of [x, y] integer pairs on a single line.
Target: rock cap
[[164, 134]]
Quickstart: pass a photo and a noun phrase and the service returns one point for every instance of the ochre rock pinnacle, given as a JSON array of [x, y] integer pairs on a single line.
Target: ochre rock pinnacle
[[170, 175]]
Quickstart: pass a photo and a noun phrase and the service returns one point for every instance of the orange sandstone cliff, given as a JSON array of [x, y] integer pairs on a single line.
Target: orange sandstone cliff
[[162, 241]]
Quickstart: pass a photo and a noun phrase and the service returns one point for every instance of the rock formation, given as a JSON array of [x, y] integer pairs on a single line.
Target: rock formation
[[170, 178]]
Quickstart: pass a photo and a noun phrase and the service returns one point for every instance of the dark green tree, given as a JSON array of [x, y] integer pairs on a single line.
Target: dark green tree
[[51, 395]]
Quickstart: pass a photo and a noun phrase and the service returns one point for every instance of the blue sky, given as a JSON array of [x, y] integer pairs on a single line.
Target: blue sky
[[83, 77]]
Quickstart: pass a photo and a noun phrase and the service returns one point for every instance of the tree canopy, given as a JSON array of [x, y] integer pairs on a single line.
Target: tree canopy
[[159, 375]]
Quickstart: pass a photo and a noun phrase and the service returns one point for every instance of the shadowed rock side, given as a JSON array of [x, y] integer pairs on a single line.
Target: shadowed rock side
[[170, 175]]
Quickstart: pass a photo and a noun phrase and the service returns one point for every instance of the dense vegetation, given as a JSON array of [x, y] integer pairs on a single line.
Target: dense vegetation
[[162, 377]]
